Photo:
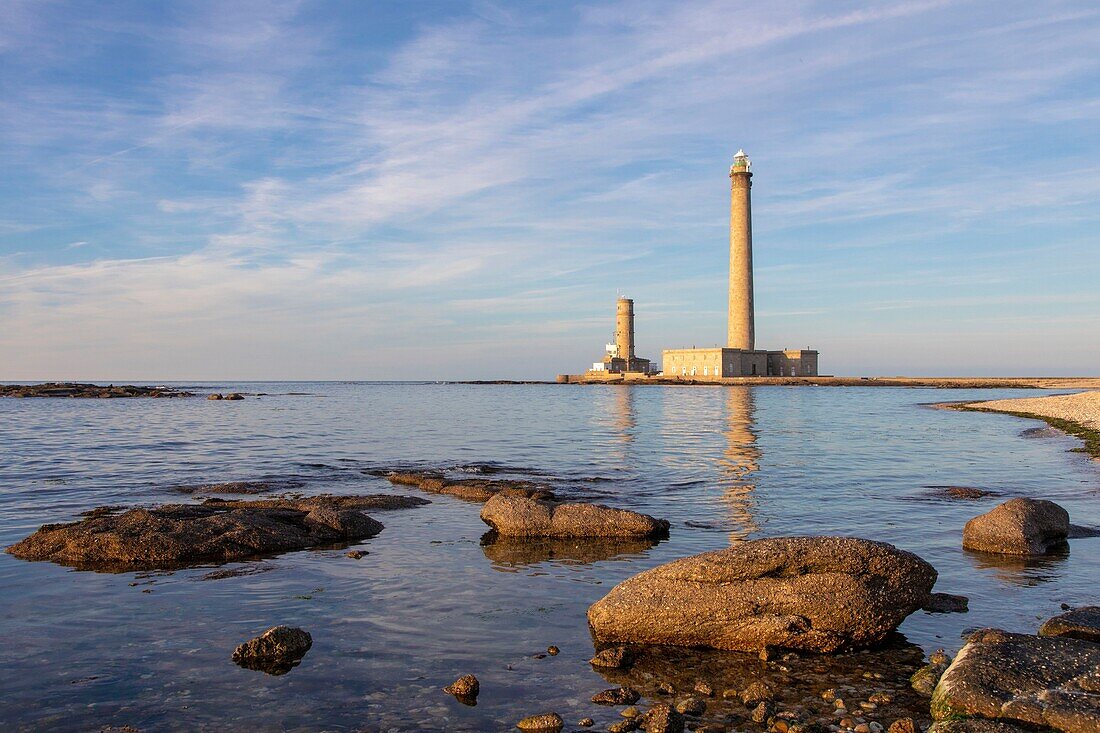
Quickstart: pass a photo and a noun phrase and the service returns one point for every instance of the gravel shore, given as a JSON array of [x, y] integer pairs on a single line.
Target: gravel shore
[[1082, 408]]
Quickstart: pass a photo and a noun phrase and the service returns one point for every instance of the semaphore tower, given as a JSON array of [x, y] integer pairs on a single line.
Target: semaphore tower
[[741, 329]]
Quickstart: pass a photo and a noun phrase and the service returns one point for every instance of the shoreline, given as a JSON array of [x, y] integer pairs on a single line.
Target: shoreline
[[1075, 414], [935, 382]]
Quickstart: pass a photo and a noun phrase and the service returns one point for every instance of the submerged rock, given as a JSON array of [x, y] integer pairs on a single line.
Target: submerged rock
[[1018, 527], [239, 487], [1083, 623], [819, 594], [925, 679], [662, 718], [276, 651], [517, 516], [180, 535], [962, 492], [1021, 679], [616, 696], [470, 489], [513, 552], [946, 603], [616, 657]]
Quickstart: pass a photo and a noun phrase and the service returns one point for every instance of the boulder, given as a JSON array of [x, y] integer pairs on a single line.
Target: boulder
[[1082, 623], [616, 696], [276, 651], [234, 396], [616, 657], [517, 516], [662, 718], [819, 594], [1018, 527], [1045, 682], [180, 535]]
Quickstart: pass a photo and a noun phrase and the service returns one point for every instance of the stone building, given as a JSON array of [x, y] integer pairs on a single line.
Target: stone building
[[619, 357], [740, 357]]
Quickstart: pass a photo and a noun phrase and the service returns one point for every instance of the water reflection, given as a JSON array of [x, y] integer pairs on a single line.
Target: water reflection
[[740, 460], [1022, 570], [797, 679], [509, 554]]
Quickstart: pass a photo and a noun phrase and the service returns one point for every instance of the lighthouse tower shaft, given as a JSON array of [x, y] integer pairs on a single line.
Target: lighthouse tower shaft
[[742, 331], [624, 329]]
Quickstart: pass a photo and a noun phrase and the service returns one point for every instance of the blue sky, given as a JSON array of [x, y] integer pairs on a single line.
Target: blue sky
[[397, 190]]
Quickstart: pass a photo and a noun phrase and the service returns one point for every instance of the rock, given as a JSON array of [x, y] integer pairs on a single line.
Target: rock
[[704, 688], [465, 688], [518, 516], [553, 650], [233, 396], [276, 651], [662, 718], [1051, 682], [180, 535], [1084, 623], [517, 552], [616, 696], [817, 594], [977, 725], [1018, 527], [757, 692], [543, 722], [214, 397], [903, 725], [469, 489], [83, 390], [691, 706], [946, 603], [357, 554], [924, 680], [586, 722], [630, 712], [763, 710], [616, 657], [623, 726], [240, 487]]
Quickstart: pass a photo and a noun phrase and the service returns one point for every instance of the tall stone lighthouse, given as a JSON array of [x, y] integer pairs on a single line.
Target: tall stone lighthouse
[[742, 331]]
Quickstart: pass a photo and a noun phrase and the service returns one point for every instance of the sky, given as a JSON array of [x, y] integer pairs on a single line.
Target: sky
[[459, 190]]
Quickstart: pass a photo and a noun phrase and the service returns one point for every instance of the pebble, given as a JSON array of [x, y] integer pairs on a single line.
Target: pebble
[[623, 726], [756, 692], [662, 718], [828, 695], [868, 705], [704, 688], [666, 688], [904, 725], [876, 727], [847, 723], [881, 698], [630, 712], [542, 722], [357, 554], [553, 651], [781, 726], [838, 702], [586, 722], [862, 728], [762, 712], [691, 706]]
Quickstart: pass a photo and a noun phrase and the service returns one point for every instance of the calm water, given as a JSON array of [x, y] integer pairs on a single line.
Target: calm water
[[84, 650]]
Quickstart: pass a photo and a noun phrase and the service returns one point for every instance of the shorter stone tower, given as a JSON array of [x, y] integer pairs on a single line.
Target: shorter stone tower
[[624, 329]]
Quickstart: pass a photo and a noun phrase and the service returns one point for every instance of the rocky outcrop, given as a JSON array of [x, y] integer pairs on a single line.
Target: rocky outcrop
[[517, 516], [1020, 679], [276, 651], [1018, 527], [1082, 623], [81, 390], [180, 535], [470, 489], [819, 594]]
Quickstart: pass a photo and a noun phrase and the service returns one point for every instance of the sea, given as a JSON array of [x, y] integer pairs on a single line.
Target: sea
[[434, 599]]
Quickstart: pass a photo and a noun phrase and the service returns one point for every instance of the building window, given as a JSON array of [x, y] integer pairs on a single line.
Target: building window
[[693, 371], [683, 371], [706, 371]]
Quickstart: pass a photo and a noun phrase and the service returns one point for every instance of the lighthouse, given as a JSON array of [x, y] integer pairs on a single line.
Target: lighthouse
[[741, 329]]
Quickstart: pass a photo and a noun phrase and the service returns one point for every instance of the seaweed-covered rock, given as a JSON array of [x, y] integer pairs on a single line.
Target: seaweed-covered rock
[[818, 594], [1082, 623], [517, 516], [276, 651], [1045, 682], [179, 535], [1018, 527]]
